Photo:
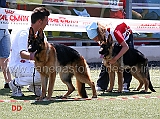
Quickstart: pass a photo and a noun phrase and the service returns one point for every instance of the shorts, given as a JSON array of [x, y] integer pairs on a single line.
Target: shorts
[[5, 43]]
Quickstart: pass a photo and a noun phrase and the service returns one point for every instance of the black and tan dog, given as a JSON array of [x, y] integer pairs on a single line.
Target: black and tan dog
[[53, 58], [132, 59]]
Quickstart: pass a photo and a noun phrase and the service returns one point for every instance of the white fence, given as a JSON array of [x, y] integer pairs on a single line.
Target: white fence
[[90, 53]]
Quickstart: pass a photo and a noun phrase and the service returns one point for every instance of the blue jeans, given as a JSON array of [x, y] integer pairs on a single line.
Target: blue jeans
[[5, 43]]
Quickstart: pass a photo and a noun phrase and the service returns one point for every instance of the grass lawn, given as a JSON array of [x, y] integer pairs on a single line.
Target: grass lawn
[[132, 105]]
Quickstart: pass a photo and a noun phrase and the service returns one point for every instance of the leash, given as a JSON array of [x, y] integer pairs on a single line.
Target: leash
[[33, 81]]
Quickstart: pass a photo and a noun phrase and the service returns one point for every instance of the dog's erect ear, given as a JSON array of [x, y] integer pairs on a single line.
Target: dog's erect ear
[[110, 39], [40, 34], [30, 36], [102, 32], [31, 31]]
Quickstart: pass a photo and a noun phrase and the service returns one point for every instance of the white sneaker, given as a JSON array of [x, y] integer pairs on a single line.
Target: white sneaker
[[125, 89], [99, 89], [37, 91], [16, 90]]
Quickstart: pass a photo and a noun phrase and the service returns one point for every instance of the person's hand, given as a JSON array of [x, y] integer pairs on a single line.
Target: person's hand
[[112, 61]]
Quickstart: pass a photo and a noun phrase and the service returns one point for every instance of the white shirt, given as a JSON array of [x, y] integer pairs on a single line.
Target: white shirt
[[19, 42], [111, 31]]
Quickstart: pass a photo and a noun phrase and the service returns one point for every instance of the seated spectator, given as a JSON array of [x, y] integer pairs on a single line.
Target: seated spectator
[[143, 13], [56, 10], [114, 12], [118, 12], [80, 11]]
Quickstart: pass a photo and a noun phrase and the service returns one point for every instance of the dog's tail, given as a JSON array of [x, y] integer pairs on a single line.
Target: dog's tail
[[150, 84], [81, 89], [148, 77]]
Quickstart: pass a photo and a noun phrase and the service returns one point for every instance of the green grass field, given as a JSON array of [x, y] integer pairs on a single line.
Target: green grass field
[[109, 106]]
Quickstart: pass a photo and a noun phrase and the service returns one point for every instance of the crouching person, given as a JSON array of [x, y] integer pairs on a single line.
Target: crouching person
[[21, 63]]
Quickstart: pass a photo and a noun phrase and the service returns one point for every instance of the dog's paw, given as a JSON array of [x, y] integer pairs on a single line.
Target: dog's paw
[[47, 99], [94, 96], [61, 97], [143, 91], [109, 90], [119, 91], [40, 98], [135, 90]]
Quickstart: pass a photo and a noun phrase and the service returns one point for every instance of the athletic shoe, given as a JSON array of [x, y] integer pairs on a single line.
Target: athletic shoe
[[16, 90], [125, 89], [99, 89], [37, 91], [6, 85]]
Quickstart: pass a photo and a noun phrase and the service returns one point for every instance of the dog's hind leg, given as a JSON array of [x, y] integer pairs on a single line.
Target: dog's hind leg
[[146, 85], [81, 86], [150, 84], [139, 78], [66, 79]]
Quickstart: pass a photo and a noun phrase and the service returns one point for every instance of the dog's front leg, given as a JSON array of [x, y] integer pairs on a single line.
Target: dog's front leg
[[112, 80], [44, 87], [120, 81], [52, 78]]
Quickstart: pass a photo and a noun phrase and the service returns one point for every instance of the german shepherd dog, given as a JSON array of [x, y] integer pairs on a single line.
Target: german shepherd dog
[[51, 59], [132, 59]]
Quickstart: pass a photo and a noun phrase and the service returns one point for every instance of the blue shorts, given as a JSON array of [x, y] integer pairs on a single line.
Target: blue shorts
[[5, 43]]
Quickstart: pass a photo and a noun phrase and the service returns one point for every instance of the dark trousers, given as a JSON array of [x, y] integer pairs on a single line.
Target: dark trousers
[[103, 79]]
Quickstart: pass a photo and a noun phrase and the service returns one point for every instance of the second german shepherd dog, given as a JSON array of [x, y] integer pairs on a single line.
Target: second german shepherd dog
[[55, 58], [132, 59]]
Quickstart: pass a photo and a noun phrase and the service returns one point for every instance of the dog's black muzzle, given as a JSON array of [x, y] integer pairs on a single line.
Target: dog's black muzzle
[[104, 50], [31, 48]]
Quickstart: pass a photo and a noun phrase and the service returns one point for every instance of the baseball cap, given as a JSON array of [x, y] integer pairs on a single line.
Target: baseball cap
[[92, 30]]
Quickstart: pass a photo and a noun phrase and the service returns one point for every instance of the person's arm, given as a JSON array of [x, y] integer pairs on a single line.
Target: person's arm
[[136, 15], [27, 55], [124, 49]]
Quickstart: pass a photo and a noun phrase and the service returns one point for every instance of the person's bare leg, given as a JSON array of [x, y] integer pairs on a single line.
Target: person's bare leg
[[6, 73]]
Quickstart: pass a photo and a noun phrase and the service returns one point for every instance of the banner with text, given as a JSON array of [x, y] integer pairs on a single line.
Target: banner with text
[[11, 19]]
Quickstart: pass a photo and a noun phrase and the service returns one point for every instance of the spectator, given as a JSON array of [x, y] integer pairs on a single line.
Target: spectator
[[4, 50], [21, 63], [12, 5], [57, 10], [114, 12], [80, 11], [143, 13], [118, 12], [124, 36]]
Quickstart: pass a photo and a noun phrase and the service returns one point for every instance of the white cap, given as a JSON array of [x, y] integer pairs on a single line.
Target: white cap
[[92, 30]]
